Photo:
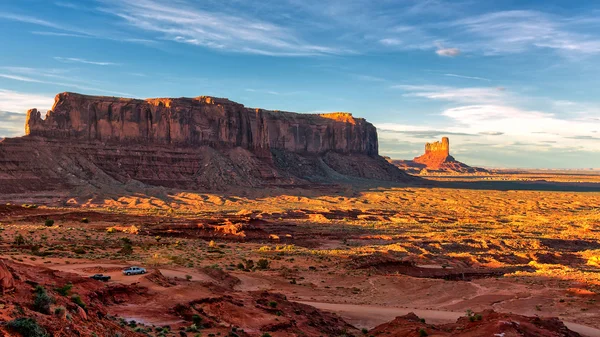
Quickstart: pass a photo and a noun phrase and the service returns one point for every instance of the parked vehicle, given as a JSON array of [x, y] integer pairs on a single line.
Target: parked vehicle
[[134, 271], [100, 277]]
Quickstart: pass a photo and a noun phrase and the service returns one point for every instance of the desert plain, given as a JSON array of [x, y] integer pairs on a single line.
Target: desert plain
[[259, 262]]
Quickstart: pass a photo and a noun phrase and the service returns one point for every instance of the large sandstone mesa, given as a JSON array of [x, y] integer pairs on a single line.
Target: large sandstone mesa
[[203, 120], [437, 158], [191, 143]]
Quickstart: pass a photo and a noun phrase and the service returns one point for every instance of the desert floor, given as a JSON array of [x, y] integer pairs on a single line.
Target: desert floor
[[369, 253]]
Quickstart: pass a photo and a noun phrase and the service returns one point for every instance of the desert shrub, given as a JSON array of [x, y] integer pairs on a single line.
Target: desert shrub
[[478, 317], [266, 334], [423, 333], [197, 320], [77, 300], [64, 290], [188, 277], [273, 304], [41, 300], [79, 250], [192, 328], [262, 264], [19, 240], [249, 264], [27, 327], [127, 249], [127, 241], [49, 223], [85, 220], [58, 311]]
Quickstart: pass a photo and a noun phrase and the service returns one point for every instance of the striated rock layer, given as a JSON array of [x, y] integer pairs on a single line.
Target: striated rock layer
[[190, 143]]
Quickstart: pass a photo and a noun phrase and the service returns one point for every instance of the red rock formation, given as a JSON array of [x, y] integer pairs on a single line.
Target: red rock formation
[[436, 154], [7, 282], [437, 158], [216, 122], [190, 143], [486, 323]]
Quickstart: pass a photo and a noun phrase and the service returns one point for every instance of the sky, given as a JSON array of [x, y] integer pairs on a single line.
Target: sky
[[512, 83]]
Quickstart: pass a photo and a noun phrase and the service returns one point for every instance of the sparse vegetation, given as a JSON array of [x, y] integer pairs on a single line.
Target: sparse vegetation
[[27, 327], [41, 300]]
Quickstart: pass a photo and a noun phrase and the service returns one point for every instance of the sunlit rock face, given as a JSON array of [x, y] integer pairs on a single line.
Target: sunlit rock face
[[436, 154], [436, 158], [216, 122], [201, 143]]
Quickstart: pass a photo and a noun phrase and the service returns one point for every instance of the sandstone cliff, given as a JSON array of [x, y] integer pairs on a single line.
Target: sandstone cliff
[[188, 143], [189, 122]]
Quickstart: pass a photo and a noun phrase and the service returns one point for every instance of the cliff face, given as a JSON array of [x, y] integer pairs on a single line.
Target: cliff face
[[215, 122], [201, 143]]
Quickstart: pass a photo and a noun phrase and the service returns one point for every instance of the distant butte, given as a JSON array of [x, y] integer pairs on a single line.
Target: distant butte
[[437, 158]]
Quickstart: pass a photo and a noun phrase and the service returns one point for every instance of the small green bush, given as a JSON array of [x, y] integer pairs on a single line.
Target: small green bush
[[19, 240], [49, 223], [423, 333], [77, 300], [197, 320], [64, 290], [42, 301], [262, 264], [27, 327]]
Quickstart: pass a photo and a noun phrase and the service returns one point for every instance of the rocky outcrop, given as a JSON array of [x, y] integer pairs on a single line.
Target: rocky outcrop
[[437, 158], [7, 282], [201, 143]]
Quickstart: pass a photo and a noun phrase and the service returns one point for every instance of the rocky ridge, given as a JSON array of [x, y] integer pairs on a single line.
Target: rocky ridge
[[201, 143]]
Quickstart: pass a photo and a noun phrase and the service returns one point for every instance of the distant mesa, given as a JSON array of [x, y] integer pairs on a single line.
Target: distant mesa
[[437, 159]]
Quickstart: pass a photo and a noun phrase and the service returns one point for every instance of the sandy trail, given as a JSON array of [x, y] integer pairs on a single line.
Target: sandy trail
[[369, 316], [117, 276]]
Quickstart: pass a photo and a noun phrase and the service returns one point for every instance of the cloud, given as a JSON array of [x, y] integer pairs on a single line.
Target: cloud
[[448, 52], [11, 124], [491, 133], [183, 22], [84, 61], [69, 31], [61, 85], [469, 77], [518, 31], [453, 94], [390, 42], [426, 134], [18, 101]]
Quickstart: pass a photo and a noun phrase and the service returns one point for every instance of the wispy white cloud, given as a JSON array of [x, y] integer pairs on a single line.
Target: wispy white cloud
[[84, 61], [184, 23], [469, 77], [454, 94], [448, 52], [65, 30], [13, 101], [60, 86], [518, 31]]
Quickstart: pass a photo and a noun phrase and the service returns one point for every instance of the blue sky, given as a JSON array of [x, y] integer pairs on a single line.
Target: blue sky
[[512, 83]]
